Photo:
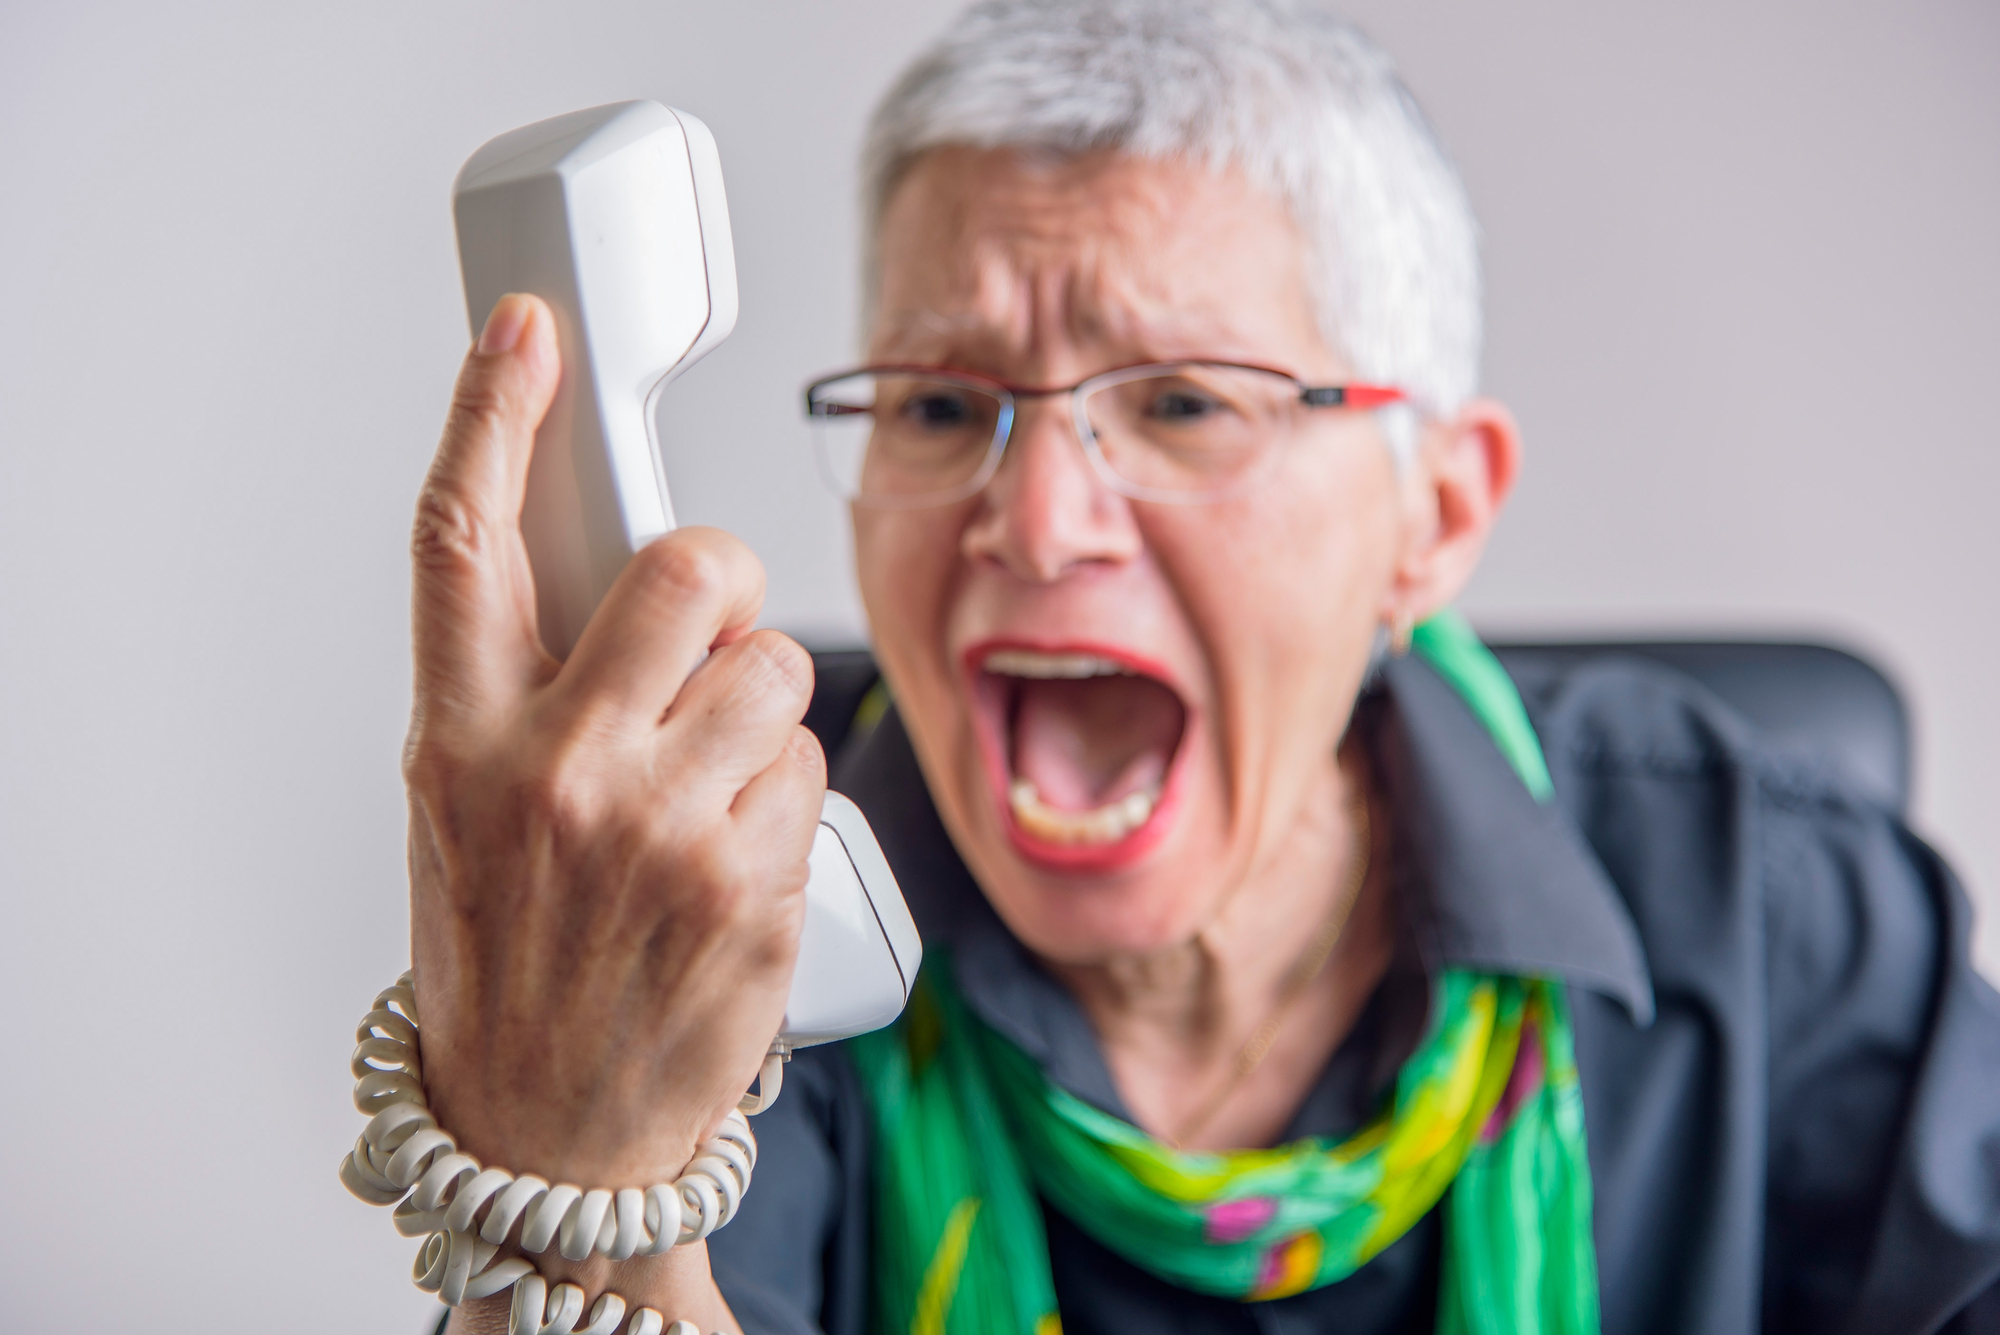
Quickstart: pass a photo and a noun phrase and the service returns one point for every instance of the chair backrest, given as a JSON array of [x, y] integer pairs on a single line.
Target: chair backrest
[[1801, 696], [1806, 697]]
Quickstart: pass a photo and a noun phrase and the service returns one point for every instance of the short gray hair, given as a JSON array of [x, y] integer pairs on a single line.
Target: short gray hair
[[1300, 102]]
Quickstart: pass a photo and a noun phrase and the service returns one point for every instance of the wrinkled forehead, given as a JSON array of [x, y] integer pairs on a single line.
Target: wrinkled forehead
[[1005, 255]]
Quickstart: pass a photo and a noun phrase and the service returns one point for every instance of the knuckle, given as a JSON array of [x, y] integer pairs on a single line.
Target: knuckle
[[680, 572], [549, 793], [804, 753], [430, 764], [775, 665], [721, 884], [449, 533], [441, 755], [556, 796]]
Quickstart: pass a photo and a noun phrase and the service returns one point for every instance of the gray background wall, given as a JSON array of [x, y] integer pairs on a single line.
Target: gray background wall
[[1743, 285]]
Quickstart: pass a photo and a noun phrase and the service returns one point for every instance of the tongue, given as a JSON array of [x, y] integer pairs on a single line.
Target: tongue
[[1089, 742]]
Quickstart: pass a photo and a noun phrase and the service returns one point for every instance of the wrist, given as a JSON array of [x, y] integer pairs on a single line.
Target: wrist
[[535, 1119], [568, 1150], [482, 1223]]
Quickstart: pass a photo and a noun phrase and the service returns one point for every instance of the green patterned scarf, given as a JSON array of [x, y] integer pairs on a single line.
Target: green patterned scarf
[[969, 1131]]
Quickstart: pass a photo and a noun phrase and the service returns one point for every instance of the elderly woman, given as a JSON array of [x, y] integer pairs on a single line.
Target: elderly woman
[[1285, 970]]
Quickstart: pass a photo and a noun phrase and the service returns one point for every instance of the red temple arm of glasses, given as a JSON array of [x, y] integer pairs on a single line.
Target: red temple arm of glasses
[[1353, 396]]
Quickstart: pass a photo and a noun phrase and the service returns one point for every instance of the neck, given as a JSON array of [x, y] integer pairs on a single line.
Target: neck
[[1175, 1024]]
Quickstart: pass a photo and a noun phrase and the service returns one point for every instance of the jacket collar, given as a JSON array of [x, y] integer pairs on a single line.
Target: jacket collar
[[1500, 881]]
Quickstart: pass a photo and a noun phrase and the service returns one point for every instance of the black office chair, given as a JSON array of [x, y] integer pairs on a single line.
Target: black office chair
[[1802, 696]]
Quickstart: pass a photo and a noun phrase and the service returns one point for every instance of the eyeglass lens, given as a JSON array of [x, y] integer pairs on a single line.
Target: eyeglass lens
[[905, 439]]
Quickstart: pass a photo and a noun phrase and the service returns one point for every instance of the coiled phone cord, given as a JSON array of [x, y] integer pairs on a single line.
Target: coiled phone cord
[[404, 1158]]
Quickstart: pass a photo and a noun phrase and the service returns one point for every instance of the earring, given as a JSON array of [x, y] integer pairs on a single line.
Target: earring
[[1401, 627]]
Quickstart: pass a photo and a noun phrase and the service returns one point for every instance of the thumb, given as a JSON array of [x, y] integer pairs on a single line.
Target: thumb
[[473, 601]]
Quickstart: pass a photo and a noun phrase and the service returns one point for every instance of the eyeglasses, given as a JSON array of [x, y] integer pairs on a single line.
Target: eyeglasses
[[900, 437]]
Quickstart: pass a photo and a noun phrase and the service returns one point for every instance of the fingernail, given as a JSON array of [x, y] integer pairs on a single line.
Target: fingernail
[[504, 325]]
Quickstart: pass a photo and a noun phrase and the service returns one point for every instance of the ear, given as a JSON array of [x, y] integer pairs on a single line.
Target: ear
[[1452, 494]]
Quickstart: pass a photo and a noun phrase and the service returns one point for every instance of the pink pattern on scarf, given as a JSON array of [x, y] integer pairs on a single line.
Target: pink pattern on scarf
[[1523, 1082], [1233, 1221]]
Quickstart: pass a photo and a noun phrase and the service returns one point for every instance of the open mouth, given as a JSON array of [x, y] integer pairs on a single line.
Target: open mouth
[[1081, 744]]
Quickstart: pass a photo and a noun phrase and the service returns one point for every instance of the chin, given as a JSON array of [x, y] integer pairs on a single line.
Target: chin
[[1072, 922]]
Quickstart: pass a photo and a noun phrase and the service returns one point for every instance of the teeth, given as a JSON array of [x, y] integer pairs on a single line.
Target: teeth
[[1029, 663], [1100, 825]]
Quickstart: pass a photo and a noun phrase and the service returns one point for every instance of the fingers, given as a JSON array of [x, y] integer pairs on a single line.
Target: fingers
[[680, 594], [777, 813], [736, 715], [473, 603], [779, 807]]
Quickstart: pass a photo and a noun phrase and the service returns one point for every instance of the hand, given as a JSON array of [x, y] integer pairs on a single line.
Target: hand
[[607, 855]]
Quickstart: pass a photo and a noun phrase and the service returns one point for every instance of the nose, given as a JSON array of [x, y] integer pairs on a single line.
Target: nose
[[1046, 514]]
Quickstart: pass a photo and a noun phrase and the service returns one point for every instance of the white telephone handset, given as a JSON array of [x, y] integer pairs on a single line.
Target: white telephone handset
[[615, 216]]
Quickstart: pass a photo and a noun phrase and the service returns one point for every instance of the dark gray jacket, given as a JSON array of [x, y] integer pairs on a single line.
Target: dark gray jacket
[[1791, 1075]]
